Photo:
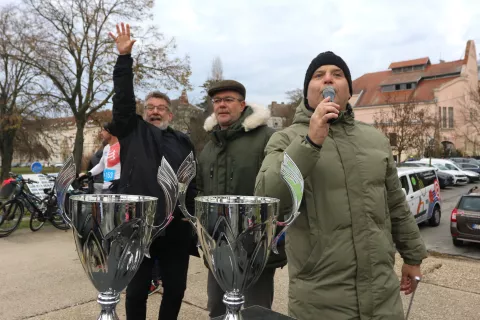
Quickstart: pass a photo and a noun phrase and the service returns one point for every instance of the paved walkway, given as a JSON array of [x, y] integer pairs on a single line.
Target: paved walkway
[[43, 279]]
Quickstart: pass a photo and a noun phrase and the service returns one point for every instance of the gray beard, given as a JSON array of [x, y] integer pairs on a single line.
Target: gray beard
[[162, 126]]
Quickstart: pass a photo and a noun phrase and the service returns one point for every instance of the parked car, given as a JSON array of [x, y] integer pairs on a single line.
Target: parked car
[[465, 220], [465, 160], [58, 165], [445, 179], [470, 167], [450, 165], [422, 190]]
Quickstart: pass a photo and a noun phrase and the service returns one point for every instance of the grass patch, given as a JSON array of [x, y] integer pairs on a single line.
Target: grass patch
[[27, 170]]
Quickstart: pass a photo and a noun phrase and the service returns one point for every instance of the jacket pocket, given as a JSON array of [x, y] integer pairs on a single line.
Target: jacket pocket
[[316, 255]]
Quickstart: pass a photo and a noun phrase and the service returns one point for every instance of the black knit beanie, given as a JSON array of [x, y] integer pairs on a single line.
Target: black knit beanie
[[325, 58]]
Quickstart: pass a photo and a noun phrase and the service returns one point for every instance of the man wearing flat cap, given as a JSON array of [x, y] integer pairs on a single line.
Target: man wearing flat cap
[[228, 165], [341, 249]]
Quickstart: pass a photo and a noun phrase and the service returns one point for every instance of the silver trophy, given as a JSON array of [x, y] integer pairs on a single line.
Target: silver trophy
[[236, 233], [112, 233]]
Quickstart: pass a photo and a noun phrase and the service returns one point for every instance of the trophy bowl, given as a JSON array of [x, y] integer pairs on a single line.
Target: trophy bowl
[[112, 233], [235, 233]]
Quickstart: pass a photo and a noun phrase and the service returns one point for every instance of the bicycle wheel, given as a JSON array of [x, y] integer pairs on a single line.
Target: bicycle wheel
[[58, 222], [36, 221], [11, 214]]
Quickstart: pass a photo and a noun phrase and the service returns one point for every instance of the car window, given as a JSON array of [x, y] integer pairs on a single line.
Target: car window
[[407, 165], [426, 178], [404, 182], [440, 166], [469, 166], [415, 182], [470, 204], [451, 167]]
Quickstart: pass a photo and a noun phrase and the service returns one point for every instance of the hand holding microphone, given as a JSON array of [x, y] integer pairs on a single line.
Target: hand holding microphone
[[325, 113], [329, 92]]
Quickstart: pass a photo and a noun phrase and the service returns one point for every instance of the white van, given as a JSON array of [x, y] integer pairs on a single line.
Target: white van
[[422, 190], [452, 167]]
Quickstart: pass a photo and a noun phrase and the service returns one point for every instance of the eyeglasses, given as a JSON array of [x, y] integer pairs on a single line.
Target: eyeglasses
[[226, 99], [160, 108]]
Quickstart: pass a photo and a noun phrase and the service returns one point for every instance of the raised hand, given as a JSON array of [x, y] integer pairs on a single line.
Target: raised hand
[[123, 40]]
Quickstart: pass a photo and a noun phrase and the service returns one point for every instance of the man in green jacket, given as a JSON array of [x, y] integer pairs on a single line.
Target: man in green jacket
[[341, 248], [228, 165]]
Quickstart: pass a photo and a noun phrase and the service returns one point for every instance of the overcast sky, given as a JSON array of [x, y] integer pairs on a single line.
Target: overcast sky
[[268, 44]]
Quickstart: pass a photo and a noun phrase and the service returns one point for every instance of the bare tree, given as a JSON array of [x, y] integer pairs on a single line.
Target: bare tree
[[198, 134], [294, 97], [21, 101], [70, 47], [470, 114], [217, 69], [408, 125]]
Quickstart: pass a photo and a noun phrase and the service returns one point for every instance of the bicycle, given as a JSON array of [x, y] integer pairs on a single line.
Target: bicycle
[[41, 210], [50, 211]]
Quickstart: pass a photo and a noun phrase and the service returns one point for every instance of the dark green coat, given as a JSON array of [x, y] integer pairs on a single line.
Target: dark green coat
[[341, 247], [231, 160]]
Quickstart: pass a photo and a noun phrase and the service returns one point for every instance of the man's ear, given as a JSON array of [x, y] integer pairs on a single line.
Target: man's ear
[[243, 104]]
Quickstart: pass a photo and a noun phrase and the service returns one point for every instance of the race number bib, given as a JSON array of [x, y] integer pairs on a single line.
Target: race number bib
[[108, 175]]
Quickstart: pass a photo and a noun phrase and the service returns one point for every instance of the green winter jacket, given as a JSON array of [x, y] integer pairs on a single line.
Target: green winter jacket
[[340, 249], [231, 160]]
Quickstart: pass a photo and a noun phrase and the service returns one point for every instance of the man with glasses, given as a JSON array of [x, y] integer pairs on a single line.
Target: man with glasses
[[157, 110], [144, 142], [228, 165]]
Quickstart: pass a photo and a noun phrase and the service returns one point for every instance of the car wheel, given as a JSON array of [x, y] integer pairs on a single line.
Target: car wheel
[[434, 221], [457, 243]]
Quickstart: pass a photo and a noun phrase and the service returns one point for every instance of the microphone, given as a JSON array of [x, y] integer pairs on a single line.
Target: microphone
[[329, 92]]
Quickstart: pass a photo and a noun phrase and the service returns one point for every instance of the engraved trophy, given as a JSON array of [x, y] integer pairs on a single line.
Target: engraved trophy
[[236, 233], [112, 234]]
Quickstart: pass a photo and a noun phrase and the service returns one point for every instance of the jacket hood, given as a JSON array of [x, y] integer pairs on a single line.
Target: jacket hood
[[252, 117]]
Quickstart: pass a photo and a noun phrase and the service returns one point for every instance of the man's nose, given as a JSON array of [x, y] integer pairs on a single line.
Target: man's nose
[[328, 78]]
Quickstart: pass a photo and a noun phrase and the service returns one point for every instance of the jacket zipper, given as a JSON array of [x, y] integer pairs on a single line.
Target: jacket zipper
[[211, 179]]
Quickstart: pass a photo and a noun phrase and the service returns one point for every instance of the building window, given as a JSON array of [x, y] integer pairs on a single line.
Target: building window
[[397, 87], [393, 138], [450, 117], [444, 117], [388, 88], [448, 121], [409, 86]]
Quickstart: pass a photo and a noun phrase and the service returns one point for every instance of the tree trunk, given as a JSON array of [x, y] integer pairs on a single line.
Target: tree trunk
[[78, 145], [7, 152]]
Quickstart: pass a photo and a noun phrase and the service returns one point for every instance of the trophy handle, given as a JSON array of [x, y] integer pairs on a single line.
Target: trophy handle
[[65, 178], [167, 179], [186, 173], [292, 176]]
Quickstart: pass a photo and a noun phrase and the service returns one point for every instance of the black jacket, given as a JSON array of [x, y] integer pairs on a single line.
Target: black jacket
[[142, 148]]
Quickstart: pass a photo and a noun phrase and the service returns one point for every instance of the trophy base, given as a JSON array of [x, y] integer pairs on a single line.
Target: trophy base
[[259, 313], [108, 301]]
